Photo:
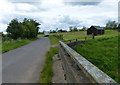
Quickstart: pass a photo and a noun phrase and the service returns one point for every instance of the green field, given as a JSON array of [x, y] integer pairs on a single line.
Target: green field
[[10, 45], [82, 34], [103, 53], [74, 35], [53, 40]]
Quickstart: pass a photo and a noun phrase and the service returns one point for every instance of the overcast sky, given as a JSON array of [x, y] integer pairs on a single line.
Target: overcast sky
[[60, 14]]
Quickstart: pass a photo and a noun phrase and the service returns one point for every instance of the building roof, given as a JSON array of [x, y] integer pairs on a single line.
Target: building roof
[[98, 27]]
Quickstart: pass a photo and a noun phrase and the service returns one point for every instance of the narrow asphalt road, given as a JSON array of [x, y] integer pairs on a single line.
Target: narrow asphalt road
[[24, 64]]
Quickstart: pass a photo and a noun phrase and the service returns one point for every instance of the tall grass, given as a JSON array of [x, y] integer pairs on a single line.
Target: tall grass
[[103, 53], [53, 40], [47, 72], [10, 45]]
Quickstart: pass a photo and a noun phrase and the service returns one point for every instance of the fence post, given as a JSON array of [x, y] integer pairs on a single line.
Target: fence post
[[85, 38], [93, 36], [62, 37]]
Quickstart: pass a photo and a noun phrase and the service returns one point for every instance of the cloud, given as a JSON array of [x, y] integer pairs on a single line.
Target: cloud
[[25, 7], [68, 20], [2, 27], [82, 3], [54, 14]]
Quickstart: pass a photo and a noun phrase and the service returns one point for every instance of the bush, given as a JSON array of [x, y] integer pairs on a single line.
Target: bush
[[26, 29]]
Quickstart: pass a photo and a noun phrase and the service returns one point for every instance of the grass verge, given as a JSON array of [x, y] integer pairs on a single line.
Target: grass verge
[[47, 72], [10, 45], [53, 40], [40, 35], [103, 53]]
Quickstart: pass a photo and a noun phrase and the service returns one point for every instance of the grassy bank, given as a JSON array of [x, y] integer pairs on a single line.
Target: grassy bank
[[103, 53], [47, 72], [10, 45], [53, 40]]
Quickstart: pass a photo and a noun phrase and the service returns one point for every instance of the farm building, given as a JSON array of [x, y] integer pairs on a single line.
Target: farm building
[[96, 30]]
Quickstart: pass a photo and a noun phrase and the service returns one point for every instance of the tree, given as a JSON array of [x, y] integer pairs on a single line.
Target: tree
[[56, 29], [14, 29], [118, 26], [31, 28], [73, 28], [4, 37], [70, 28], [53, 31], [26, 29], [61, 30], [84, 28], [111, 25]]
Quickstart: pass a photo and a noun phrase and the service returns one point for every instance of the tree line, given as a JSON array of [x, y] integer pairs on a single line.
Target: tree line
[[112, 25], [28, 28]]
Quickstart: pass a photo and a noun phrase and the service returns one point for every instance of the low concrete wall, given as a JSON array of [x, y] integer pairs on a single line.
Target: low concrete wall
[[72, 73], [71, 59]]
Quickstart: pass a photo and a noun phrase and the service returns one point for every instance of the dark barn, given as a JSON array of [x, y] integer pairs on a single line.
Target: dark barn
[[96, 30]]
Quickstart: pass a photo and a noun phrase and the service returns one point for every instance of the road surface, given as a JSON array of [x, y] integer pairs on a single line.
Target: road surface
[[24, 64]]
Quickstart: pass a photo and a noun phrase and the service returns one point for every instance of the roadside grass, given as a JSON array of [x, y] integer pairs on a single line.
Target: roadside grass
[[10, 45], [53, 40], [0, 46], [103, 53], [40, 35], [47, 72]]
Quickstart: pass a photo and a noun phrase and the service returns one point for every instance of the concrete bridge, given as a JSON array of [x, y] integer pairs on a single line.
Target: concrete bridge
[[78, 69]]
